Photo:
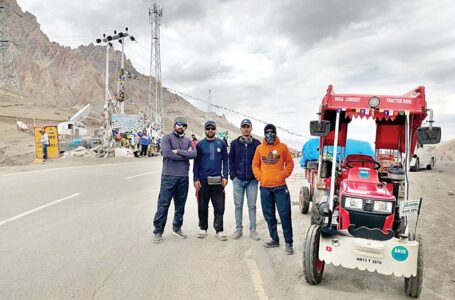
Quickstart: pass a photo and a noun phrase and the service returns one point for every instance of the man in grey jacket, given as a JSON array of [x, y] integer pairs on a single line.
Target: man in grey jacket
[[177, 150]]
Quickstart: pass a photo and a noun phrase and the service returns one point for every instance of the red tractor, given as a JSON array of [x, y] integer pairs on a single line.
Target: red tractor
[[361, 207]]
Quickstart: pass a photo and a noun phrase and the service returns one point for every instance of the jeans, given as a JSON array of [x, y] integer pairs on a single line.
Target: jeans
[[250, 188], [216, 194], [45, 152], [171, 187], [279, 197]]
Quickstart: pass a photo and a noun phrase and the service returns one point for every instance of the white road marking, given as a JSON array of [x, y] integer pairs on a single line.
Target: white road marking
[[256, 277], [37, 209], [65, 168], [143, 174]]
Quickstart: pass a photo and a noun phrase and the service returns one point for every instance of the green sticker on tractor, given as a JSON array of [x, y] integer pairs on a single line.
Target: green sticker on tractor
[[400, 253]]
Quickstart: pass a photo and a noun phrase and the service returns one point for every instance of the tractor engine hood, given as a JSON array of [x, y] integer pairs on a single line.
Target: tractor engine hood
[[364, 183]]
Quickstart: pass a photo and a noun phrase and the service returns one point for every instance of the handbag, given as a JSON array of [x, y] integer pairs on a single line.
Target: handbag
[[214, 180]]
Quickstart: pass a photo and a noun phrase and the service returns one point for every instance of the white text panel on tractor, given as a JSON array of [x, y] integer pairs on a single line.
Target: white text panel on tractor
[[398, 257]]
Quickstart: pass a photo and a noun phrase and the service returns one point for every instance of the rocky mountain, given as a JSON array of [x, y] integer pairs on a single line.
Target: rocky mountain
[[57, 80]]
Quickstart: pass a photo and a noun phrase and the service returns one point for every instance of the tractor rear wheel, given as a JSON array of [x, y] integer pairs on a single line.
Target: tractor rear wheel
[[313, 267], [304, 200], [413, 284]]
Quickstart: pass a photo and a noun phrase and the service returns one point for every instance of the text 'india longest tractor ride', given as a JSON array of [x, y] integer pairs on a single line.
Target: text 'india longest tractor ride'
[[361, 208]]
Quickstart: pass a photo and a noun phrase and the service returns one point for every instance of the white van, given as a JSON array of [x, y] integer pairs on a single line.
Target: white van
[[424, 157]]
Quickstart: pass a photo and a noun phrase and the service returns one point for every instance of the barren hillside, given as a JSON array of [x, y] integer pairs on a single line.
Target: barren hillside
[[56, 81]]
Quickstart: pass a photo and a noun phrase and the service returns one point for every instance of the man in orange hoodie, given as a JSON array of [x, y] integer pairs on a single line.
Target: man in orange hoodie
[[272, 164]]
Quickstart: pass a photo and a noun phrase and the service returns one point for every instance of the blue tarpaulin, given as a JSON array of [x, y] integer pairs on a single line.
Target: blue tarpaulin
[[310, 150]]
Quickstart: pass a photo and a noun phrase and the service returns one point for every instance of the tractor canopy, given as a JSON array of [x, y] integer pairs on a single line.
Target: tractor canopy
[[388, 111]]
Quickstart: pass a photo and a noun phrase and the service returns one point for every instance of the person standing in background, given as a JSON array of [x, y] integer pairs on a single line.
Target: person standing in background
[[44, 143]]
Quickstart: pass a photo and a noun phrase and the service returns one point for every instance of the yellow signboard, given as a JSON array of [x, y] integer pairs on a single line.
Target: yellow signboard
[[52, 149]]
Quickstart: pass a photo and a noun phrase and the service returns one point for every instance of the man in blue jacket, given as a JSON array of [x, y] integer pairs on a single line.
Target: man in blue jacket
[[240, 159], [177, 151], [210, 172]]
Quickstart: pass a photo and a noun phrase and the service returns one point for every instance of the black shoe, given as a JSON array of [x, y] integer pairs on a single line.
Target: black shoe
[[272, 244], [289, 250]]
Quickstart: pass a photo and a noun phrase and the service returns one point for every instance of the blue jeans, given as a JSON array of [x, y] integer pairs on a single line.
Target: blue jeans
[[44, 152], [279, 197], [250, 188], [171, 187]]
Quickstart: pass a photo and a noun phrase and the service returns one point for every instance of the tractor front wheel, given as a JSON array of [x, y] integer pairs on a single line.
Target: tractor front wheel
[[413, 284], [304, 200], [313, 267]]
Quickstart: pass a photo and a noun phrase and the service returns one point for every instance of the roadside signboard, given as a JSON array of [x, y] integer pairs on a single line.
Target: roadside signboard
[[128, 123], [52, 149]]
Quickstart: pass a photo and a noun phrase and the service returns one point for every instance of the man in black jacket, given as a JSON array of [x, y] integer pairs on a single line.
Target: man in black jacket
[[240, 160]]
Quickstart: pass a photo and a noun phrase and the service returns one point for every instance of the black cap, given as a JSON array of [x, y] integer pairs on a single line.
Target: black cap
[[245, 122], [269, 127], [210, 123]]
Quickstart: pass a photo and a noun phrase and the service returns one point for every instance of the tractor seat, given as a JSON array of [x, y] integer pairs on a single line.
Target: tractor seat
[[359, 160]]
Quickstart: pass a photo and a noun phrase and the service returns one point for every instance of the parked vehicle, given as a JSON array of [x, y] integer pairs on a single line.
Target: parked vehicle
[[360, 211], [424, 157]]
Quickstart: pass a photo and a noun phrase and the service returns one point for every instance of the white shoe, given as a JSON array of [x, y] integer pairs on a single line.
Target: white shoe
[[221, 236], [202, 234]]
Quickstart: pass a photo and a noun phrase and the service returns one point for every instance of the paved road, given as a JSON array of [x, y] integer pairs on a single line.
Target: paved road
[[81, 229]]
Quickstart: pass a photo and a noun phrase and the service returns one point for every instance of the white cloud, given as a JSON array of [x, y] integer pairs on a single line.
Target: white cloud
[[274, 59]]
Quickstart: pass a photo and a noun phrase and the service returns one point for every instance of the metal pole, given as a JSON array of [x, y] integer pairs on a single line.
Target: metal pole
[[334, 163], [209, 105], [122, 66], [106, 90], [407, 150]]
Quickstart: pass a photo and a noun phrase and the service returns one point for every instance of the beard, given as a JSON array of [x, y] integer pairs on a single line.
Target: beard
[[210, 134], [180, 130]]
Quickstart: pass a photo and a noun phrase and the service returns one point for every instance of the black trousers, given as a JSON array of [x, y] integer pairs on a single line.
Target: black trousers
[[144, 150], [217, 195]]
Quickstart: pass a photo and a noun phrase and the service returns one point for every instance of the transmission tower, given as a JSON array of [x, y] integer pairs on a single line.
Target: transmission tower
[[155, 110], [8, 74]]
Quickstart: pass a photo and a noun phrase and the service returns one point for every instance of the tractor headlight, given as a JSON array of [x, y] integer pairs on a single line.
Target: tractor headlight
[[383, 206], [353, 203]]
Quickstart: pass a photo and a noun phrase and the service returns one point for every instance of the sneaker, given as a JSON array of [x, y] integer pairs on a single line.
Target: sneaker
[[180, 234], [254, 235], [157, 237], [237, 234], [289, 250], [271, 244], [221, 236], [202, 234]]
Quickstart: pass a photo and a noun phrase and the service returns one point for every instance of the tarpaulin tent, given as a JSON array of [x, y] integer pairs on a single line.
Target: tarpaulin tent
[[310, 150]]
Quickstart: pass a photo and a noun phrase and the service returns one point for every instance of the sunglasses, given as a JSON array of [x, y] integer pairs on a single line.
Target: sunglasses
[[210, 128], [180, 124], [246, 126]]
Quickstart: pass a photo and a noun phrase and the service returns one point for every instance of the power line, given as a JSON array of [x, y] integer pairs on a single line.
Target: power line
[[234, 111]]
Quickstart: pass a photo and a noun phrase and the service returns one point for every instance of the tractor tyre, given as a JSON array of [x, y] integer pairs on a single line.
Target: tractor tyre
[[304, 200], [312, 266], [413, 284]]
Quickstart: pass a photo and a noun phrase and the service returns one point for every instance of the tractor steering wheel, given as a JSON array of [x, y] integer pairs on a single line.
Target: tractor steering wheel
[[377, 165]]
